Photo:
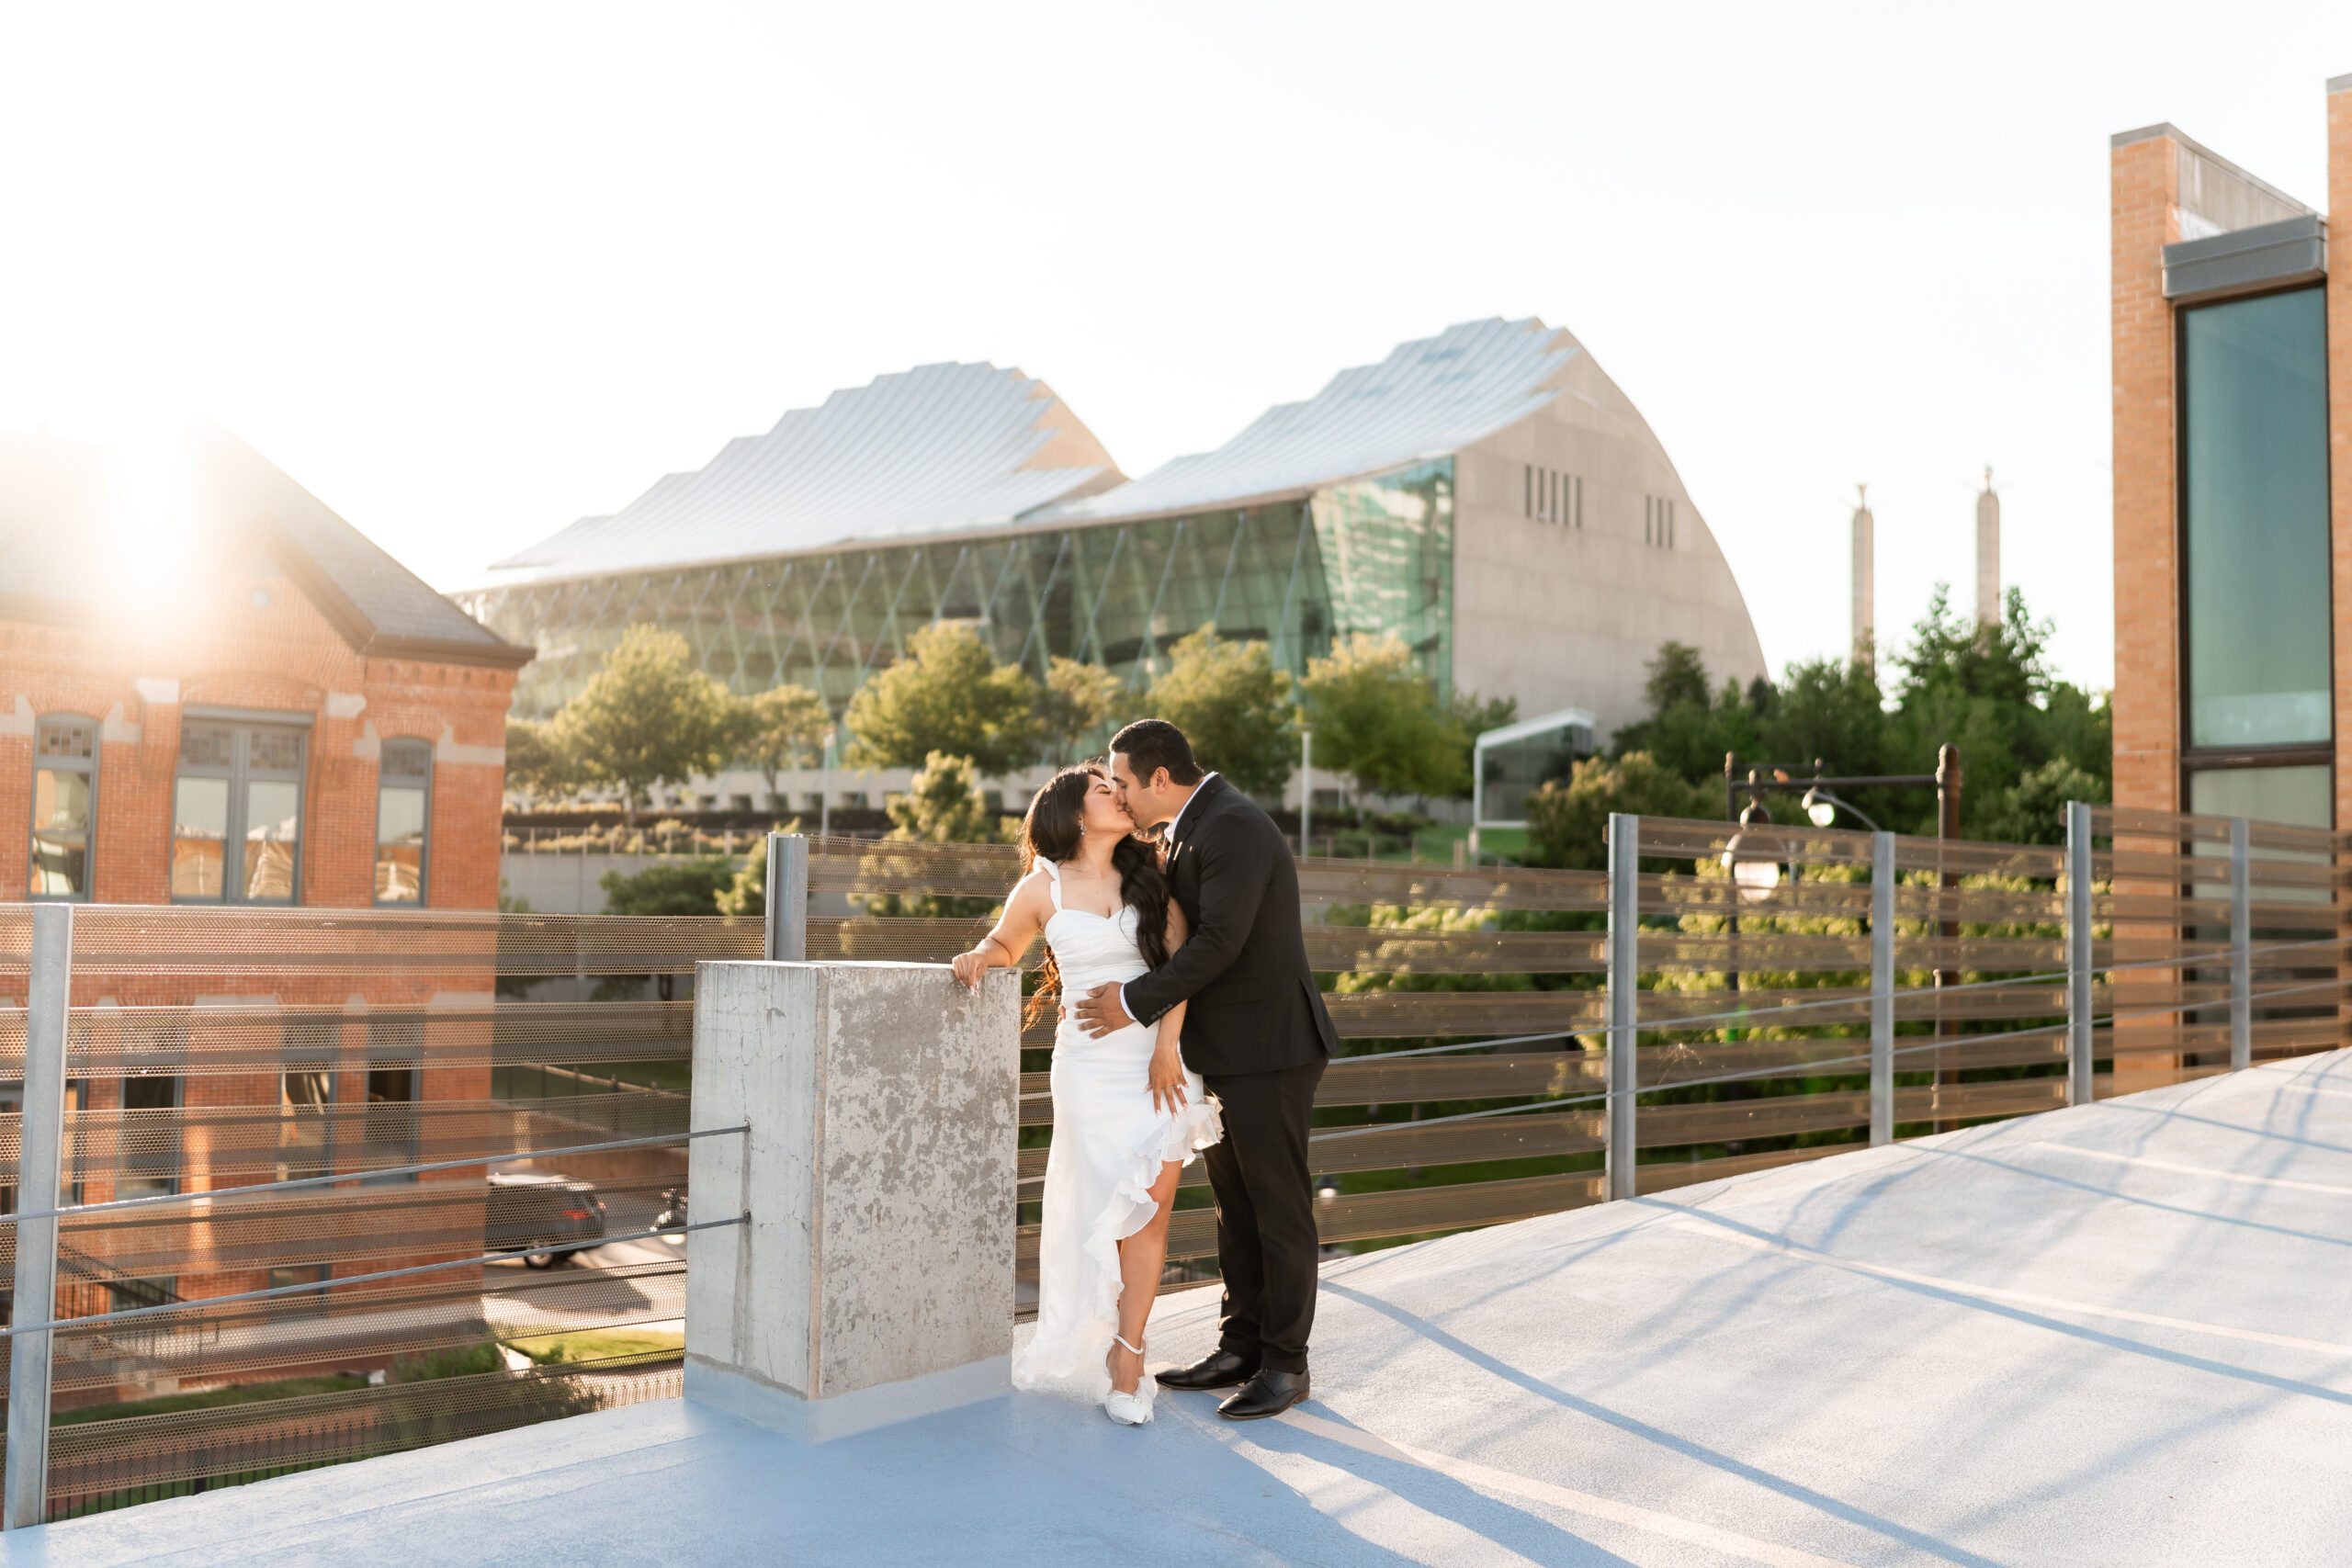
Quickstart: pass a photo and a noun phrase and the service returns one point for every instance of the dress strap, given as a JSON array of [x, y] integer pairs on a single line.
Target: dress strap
[[1054, 878]]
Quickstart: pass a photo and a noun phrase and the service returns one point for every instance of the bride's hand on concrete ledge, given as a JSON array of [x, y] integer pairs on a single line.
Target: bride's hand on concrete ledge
[[970, 966]]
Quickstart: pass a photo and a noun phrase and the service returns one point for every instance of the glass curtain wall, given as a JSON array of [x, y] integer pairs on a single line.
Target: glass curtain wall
[[2254, 521], [1368, 555]]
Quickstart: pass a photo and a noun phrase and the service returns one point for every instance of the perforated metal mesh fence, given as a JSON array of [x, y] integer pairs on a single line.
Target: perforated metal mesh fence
[[215, 1055]]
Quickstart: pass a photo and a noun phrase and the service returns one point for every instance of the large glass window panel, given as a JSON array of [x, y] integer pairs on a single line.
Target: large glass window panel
[[272, 823], [2302, 796], [2254, 419], [200, 833], [238, 784], [403, 784], [65, 768]]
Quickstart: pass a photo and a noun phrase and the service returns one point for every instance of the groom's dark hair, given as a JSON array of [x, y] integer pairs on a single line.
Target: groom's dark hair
[[1151, 744]]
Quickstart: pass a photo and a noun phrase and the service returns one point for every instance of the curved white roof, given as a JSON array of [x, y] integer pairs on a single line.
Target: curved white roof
[[1428, 398], [924, 451]]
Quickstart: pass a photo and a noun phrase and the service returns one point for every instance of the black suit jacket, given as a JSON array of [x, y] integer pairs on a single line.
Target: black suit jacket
[[1254, 1005]]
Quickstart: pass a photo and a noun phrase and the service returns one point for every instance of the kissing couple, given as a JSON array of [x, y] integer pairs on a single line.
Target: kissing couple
[[1188, 1023]]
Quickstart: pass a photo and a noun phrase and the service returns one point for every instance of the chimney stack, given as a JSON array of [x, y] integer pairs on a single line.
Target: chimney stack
[[1865, 581], [1988, 553]]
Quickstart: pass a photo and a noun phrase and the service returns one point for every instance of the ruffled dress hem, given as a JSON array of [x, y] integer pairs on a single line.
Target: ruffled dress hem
[[1074, 1362]]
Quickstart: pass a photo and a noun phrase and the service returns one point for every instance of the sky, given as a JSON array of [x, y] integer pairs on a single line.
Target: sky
[[470, 272]]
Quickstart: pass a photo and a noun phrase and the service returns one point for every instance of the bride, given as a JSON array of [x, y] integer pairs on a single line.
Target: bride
[[1127, 1115]]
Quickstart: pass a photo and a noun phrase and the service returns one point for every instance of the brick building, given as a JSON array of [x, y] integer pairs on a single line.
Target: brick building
[[2232, 346], [216, 693]]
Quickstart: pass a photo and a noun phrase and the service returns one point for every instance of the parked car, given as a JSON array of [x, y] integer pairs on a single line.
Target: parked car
[[534, 1209]]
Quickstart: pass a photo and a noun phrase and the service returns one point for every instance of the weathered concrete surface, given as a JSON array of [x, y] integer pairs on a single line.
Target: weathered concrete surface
[[875, 1279], [2115, 1334]]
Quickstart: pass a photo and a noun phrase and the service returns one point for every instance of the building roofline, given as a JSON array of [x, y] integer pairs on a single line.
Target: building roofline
[[1014, 529], [2338, 85], [2166, 129]]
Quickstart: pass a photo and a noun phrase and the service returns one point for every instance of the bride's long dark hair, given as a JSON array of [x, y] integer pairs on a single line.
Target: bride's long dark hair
[[1051, 831]]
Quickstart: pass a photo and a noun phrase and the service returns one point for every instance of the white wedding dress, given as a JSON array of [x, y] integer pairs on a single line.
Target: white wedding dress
[[1110, 1142]]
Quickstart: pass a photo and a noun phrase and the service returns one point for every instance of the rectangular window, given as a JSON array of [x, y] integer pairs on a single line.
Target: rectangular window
[[306, 1097], [404, 803], [389, 1131], [1579, 518], [66, 783], [2304, 796], [2255, 517], [239, 784], [1531, 489], [147, 1139]]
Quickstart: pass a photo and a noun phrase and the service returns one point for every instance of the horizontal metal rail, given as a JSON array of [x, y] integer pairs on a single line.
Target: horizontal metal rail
[[160, 1199], [313, 1287], [1798, 1069]]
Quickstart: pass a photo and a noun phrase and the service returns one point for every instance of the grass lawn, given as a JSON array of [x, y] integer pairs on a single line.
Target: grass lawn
[[210, 1399], [598, 1344]]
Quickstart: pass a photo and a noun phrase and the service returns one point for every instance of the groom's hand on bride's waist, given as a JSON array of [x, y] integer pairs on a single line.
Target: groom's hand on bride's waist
[[1102, 1013]]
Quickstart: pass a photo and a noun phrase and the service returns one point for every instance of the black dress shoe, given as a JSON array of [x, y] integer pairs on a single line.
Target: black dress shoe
[[1269, 1394], [1220, 1368]]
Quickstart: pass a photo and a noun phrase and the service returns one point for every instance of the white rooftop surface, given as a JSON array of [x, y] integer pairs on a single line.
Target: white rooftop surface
[[923, 451], [2111, 1334], [1428, 397]]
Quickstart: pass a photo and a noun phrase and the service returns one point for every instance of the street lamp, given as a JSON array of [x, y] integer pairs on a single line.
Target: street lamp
[[1753, 858], [1822, 808]]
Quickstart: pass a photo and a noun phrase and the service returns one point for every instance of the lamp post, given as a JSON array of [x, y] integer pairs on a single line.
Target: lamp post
[[1821, 806]]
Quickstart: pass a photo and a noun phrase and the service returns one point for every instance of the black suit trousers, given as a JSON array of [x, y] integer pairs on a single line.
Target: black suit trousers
[[1266, 1241]]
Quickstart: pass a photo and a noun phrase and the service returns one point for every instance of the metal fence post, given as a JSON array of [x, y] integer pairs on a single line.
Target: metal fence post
[[39, 1158], [2241, 945], [2079, 1087], [1881, 988], [1624, 1001], [787, 899]]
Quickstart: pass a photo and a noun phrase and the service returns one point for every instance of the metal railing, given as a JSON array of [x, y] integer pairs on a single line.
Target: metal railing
[[228, 1215], [1872, 987], [1520, 1041]]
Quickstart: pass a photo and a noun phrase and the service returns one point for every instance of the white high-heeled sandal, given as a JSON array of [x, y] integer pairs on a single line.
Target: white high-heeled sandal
[[1130, 1409]]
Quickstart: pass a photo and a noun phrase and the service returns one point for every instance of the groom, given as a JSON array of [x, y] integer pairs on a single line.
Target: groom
[[1258, 1034]]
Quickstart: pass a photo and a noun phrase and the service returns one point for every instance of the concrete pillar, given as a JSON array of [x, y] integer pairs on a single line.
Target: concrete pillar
[[873, 1281]]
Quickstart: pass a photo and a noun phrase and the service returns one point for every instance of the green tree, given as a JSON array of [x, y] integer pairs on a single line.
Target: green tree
[[1234, 706], [674, 887], [948, 695], [1677, 675], [942, 805], [1380, 720], [536, 767], [647, 718], [1987, 688], [2033, 809], [783, 727], [1079, 700], [1687, 731], [1567, 823]]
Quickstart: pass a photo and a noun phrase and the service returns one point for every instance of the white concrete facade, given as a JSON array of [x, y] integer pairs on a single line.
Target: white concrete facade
[[1569, 613]]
